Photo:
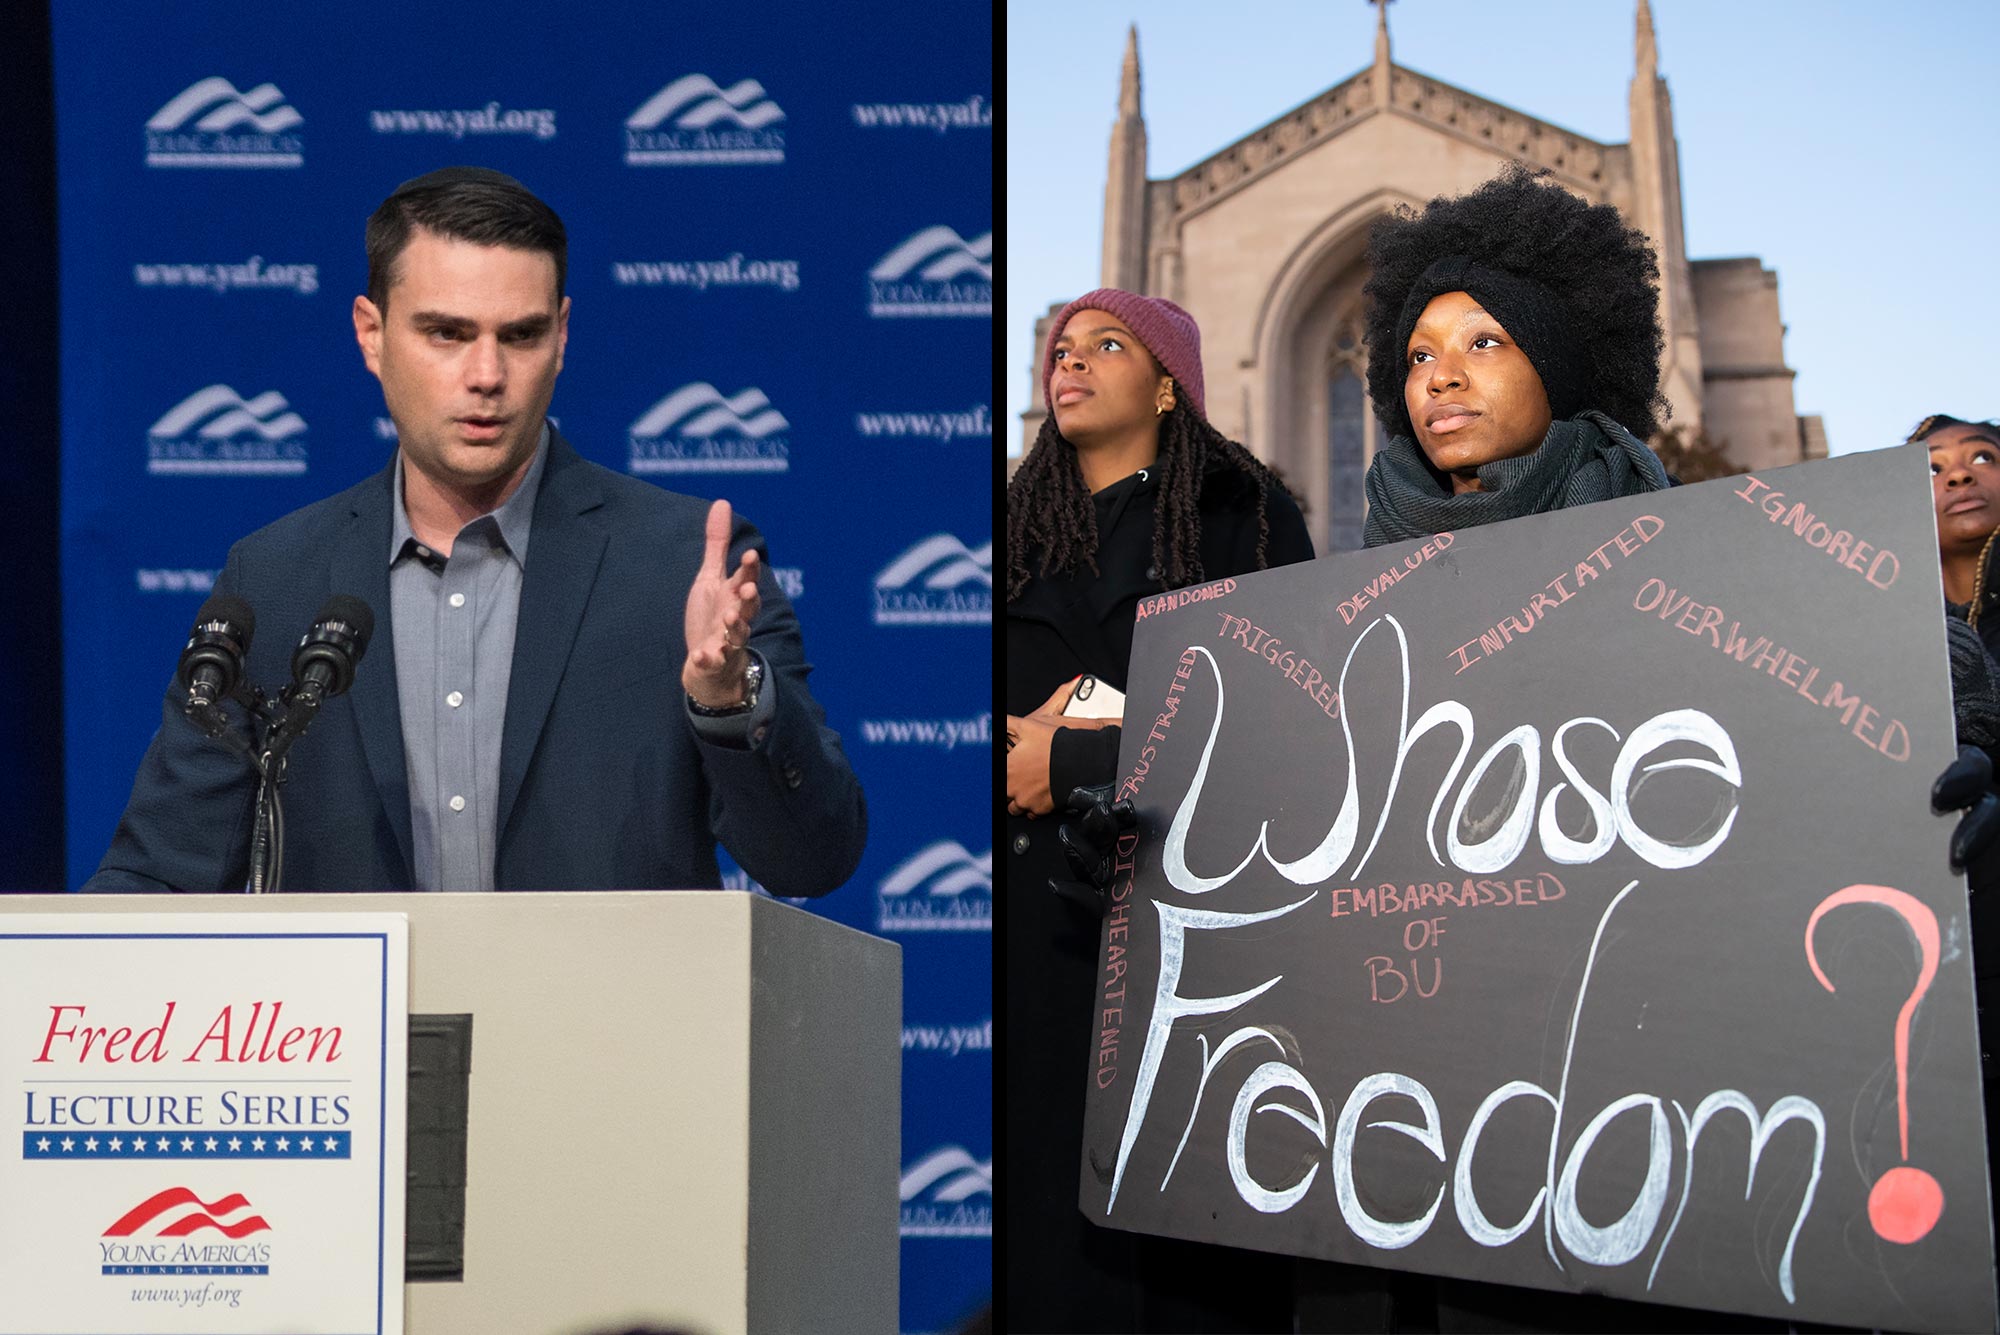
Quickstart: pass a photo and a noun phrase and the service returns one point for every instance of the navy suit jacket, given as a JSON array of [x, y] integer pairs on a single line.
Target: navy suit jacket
[[603, 783]]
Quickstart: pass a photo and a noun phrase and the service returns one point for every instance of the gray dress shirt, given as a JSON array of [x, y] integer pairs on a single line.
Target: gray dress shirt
[[452, 621]]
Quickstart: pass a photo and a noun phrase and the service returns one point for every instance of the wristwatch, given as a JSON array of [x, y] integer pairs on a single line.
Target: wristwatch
[[753, 678]]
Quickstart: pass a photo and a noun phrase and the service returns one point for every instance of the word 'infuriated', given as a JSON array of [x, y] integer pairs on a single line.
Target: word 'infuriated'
[[1555, 593]]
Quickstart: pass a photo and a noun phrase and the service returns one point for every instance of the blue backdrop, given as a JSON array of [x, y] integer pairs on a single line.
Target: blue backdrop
[[781, 267]]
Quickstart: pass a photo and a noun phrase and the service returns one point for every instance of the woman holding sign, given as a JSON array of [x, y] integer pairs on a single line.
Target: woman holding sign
[[1128, 493], [1965, 484], [1514, 359]]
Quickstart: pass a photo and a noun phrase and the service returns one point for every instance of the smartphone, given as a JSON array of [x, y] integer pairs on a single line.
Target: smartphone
[[1093, 699]]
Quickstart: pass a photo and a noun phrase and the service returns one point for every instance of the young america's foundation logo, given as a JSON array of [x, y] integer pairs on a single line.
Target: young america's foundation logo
[[696, 430], [211, 124], [695, 122], [217, 430], [162, 1235], [941, 888], [941, 1196], [938, 582], [934, 272]]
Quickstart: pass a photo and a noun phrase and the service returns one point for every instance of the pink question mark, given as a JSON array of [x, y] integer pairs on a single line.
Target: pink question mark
[[1905, 1202]]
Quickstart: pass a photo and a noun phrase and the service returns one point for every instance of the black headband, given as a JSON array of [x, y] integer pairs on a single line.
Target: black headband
[[1532, 315]]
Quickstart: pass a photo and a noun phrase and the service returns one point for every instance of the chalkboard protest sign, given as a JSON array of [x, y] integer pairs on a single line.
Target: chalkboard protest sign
[[1558, 903]]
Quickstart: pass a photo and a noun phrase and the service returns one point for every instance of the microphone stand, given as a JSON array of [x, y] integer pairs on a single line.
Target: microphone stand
[[274, 728], [301, 702]]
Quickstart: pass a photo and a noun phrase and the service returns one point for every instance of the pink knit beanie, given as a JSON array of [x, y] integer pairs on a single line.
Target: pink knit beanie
[[1168, 332]]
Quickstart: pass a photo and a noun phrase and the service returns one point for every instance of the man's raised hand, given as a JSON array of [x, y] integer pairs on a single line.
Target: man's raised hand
[[720, 609]]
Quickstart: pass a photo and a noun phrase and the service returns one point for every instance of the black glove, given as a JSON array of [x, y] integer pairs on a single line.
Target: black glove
[[1967, 785], [1090, 846]]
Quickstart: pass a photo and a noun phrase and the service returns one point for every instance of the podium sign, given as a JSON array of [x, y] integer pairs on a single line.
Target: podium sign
[[203, 1123], [1558, 903]]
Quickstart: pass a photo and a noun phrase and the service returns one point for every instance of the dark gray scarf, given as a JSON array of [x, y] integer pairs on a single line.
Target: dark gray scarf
[[1587, 458], [1975, 697]]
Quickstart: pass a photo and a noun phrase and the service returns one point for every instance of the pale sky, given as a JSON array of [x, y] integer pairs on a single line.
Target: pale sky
[[1848, 143]]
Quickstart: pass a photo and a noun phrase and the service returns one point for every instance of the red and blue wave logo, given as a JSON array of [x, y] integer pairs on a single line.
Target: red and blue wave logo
[[169, 1233], [145, 1218]]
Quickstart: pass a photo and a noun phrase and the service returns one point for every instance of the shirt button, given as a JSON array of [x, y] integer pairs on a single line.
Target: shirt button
[[458, 804], [1020, 843], [423, 551], [458, 600], [454, 699]]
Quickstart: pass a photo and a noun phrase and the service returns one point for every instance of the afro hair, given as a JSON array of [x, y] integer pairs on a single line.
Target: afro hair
[[1601, 271]]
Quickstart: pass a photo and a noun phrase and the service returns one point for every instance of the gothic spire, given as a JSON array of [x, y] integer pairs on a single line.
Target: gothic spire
[[1124, 262], [1128, 76], [1646, 50]]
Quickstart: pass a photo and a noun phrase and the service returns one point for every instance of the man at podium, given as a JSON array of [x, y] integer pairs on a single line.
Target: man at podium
[[579, 680]]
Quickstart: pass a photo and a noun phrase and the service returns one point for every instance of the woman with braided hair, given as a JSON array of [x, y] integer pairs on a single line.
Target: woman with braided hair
[[1965, 483], [1127, 492]]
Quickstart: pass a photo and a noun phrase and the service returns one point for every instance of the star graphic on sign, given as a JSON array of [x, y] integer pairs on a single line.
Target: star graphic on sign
[[115, 1143], [90, 1145], [283, 1144], [209, 1144], [138, 1145], [332, 1144], [68, 1144], [187, 1143], [258, 1144], [235, 1144], [43, 1144], [305, 1144]]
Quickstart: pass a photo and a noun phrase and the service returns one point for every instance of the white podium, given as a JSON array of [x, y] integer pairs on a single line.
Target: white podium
[[683, 1109]]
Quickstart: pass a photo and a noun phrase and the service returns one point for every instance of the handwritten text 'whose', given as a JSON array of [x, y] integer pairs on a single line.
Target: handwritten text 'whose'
[[1610, 809]]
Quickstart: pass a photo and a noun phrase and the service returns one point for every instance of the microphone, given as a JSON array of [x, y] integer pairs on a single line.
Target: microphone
[[323, 664], [212, 663]]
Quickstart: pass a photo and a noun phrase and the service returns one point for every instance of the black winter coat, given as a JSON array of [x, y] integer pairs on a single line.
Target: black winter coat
[[1062, 1272]]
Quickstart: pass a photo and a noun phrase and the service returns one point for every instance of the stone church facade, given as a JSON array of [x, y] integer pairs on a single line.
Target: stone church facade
[[1264, 243]]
